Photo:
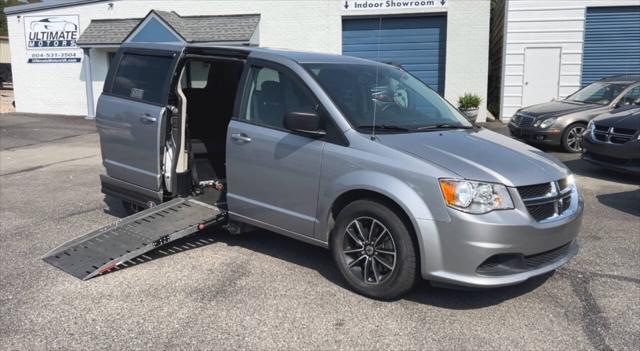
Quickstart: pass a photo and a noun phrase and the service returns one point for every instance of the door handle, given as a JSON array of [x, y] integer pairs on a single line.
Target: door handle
[[147, 118], [241, 137]]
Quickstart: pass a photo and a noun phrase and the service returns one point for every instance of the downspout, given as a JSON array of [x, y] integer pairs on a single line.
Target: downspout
[[88, 81]]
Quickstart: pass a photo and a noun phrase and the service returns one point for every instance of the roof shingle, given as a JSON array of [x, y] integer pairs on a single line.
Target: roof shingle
[[107, 32], [193, 29]]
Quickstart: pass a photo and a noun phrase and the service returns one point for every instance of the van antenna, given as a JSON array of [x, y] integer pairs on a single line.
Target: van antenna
[[373, 128]]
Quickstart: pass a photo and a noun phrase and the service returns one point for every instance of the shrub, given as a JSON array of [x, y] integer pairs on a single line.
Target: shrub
[[469, 101]]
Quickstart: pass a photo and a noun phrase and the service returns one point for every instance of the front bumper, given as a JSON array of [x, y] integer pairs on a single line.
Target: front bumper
[[454, 251], [549, 136], [622, 157]]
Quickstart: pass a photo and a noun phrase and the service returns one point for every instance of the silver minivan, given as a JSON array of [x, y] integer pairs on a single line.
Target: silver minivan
[[344, 153]]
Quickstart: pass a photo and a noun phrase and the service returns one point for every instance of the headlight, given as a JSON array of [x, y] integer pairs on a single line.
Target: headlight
[[548, 122], [475, 197], [591, 126]]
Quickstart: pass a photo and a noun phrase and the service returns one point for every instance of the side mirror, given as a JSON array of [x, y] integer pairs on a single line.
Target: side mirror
[[303, 122]]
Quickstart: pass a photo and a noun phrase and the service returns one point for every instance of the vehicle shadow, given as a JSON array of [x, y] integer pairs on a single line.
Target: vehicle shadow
[[583, 168], [319, 259], [626, 201], [469, 298]]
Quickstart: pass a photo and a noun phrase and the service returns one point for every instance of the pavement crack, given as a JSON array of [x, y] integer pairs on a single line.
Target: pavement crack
[[621, 278], [594, 322], [81, 212], [44, 166], [47, 141]]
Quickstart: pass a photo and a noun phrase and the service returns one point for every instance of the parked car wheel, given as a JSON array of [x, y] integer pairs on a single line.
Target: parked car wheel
[[131, 208], [374, 251], [572, 137]]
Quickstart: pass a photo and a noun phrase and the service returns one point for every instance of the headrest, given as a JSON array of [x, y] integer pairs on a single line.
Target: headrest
[[271, 91]]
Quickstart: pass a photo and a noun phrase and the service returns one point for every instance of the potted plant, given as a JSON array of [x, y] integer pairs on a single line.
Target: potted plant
[[469, 105]]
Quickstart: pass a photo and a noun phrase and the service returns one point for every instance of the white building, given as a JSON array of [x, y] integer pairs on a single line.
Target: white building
[[547, 49], [445, 43]]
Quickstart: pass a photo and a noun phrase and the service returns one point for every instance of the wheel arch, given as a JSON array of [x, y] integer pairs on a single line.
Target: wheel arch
[[353, 195]]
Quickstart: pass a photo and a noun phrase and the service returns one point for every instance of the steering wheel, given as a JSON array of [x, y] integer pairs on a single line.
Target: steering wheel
[[388, 107]]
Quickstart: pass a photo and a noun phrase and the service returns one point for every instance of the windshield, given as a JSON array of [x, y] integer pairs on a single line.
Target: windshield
[[598, 93], [397, 101]]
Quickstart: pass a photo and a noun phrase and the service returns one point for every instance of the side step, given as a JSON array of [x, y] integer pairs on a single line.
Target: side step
[[104, 249]]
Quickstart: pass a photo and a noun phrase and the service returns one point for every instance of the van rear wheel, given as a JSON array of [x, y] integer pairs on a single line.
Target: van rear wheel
[[374, 251]]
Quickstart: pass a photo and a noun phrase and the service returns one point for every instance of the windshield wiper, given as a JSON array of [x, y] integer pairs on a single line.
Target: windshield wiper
[[444, 126], [384, 127]]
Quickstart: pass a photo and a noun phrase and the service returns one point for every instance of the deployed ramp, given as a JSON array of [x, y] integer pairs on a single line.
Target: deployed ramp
[[104, 249]]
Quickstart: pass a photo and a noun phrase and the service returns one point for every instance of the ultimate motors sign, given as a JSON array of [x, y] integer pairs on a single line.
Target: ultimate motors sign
[[52, 39]]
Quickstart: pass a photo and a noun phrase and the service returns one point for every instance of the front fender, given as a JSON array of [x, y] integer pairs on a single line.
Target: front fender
[[411, 200]]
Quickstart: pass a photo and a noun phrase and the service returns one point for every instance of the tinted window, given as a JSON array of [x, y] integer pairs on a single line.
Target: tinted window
[[197, 75], [600, 93], [384, 97], [632, 97], [271, 95], [142, 77]]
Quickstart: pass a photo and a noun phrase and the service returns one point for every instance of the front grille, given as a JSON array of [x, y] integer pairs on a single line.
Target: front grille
[[522, 121], [625, 131], [539, 260], [542, 212], [613, 135], [563, 183], [511, 263], [615, 139], [533, 191], [600, 136], [565, 204], [547, 200]]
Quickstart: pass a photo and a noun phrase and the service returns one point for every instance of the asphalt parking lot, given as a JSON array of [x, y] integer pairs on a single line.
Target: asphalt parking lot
[[264, 291]]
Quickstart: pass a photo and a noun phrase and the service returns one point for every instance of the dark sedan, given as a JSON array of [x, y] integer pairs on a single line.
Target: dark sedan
[[613, 140], [562, 122]]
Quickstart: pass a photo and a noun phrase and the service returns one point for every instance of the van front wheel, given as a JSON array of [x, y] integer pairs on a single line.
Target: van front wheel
[[373, 250]]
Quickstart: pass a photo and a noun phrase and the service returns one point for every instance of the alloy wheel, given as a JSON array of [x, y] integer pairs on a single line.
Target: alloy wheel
[[369, 250], [574, 138]]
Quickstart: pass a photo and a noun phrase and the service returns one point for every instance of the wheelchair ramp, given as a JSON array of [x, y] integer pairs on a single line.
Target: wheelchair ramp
[[104, 249]]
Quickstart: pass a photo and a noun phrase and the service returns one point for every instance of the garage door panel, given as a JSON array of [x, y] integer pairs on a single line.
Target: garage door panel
[[405, 45], [611, 42], [417, 43]]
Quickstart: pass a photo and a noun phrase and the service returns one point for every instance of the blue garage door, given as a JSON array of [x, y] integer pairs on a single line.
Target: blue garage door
[[611, 42], [417, 43]]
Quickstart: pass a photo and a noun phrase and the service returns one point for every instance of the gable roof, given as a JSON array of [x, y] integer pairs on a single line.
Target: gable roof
[[107, 32], [192, 29], [199, 29]]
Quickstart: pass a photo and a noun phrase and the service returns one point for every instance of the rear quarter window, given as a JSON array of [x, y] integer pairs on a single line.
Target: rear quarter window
[[142, 77]]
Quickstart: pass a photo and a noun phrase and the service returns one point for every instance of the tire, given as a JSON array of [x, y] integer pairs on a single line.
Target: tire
[[568, 137], [131, 208], [387, 276]]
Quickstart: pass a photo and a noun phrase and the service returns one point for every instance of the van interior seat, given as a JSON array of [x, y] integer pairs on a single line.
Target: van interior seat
[[270, 103], [209, 111]]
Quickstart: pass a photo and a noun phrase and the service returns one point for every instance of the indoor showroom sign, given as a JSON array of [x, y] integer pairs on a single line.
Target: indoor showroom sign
[[355, 5], [52, 39]]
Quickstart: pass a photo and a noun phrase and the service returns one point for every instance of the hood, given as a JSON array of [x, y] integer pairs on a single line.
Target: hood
[[624, 117], [558, 108], [480, 155]]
